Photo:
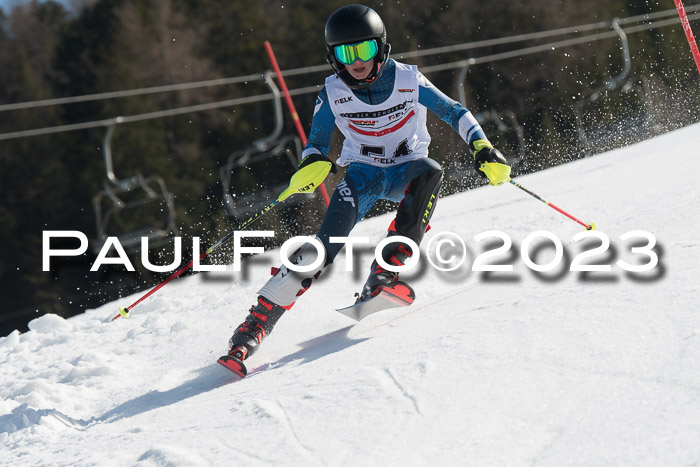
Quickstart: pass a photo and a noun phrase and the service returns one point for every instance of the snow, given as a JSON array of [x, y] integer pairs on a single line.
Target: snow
[[508, 368]]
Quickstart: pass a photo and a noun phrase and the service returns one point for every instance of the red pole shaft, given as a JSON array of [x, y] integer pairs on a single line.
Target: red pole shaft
[[553, 206], [556, 208], [292, 109], [220, 242], [688, 32], [156, 288]]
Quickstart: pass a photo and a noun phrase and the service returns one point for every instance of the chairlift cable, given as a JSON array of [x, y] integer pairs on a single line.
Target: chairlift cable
[[315, 88], [319, 68]]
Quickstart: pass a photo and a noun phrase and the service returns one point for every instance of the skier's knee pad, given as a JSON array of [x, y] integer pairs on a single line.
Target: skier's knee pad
[[286, 285], [419, 202]]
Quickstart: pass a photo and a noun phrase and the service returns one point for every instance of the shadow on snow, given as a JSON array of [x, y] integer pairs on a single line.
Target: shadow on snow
[[214, 376]]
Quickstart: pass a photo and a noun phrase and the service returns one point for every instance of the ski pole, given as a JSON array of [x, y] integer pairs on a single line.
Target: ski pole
[[590, 226], [304, 181], [124, 311]]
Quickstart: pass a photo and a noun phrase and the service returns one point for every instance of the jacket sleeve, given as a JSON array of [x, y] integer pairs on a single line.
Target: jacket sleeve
[[321, 127]]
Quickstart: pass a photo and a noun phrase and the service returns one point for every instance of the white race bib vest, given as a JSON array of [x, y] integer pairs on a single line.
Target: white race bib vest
[[385, 134]]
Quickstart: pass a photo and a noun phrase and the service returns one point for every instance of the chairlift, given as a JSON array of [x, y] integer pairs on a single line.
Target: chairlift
[[499, 119], [605, 136], [512, 127], [505, 122], [285, 151], [141, 197]]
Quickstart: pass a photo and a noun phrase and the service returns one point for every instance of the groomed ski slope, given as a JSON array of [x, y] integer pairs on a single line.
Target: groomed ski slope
[[512, 369]]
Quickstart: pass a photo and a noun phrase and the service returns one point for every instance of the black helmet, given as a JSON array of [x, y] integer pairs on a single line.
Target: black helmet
[[352, 24]]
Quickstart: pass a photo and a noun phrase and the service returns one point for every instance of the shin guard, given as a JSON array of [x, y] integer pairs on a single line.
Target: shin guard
[[418, 204], [286, 285]]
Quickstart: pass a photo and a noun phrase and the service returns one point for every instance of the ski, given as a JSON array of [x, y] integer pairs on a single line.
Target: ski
[[233, 364], [395, 294]]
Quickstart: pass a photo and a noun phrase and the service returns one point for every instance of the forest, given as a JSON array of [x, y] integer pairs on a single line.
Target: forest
[[545, 107]]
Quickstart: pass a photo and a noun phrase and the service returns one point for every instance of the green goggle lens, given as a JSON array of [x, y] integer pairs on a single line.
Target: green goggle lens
[[347, 54]]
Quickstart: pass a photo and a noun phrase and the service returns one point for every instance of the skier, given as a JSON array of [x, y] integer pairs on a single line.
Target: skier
[[380, 107]]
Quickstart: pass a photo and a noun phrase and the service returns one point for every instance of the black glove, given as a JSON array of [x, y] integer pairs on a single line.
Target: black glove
[[487, 155], [311, 158]]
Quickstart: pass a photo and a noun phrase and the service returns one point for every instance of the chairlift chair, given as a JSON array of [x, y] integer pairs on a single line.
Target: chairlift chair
[[286, 152], [505, 122], [270, 149], [605, 136], [137, 194]]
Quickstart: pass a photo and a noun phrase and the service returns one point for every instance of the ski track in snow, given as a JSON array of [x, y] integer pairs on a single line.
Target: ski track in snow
[[484, 369]]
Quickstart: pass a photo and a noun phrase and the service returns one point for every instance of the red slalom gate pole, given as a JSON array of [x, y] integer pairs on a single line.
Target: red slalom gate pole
[[688, 32], [292, 109]]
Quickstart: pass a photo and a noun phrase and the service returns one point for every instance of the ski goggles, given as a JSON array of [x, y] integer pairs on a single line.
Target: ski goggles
[[348, 53]]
